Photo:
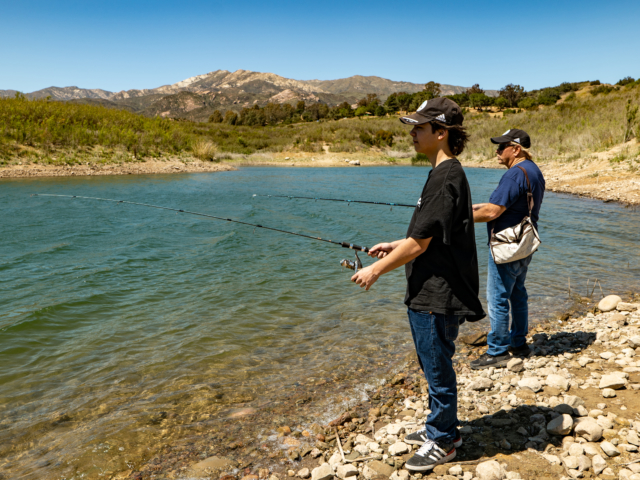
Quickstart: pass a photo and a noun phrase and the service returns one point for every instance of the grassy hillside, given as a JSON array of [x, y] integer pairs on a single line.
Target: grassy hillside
[[54, 132]]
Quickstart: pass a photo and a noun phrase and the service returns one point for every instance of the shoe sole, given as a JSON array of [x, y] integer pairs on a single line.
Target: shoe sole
[[457, 443], [426, 468], [498, 364]]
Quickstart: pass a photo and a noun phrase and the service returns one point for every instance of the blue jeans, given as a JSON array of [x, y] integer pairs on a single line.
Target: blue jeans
[[505, 285], [433, 336]]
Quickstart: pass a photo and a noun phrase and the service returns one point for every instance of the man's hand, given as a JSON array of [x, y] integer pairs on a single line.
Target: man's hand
[[365, 277], [380, 250]]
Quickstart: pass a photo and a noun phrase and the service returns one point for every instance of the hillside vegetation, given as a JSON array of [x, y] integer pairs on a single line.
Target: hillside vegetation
[[591, 119]]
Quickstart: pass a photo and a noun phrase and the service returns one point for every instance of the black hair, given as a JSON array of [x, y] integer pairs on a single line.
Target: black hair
[[458, 136]]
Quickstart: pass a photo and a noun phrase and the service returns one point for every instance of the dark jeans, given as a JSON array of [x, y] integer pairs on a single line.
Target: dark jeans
[[505, 285], [433, 336]]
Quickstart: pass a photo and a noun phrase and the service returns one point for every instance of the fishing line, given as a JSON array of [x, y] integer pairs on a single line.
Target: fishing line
[[338, 200], [342, 244]]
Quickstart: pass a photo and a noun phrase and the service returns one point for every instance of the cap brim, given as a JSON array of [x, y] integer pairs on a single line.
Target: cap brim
[[499, 140], [415, 119]]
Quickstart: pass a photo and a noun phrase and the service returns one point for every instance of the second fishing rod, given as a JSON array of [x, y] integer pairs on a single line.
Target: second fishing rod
[[369, 202]]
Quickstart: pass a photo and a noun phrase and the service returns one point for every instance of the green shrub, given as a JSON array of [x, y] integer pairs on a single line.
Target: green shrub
[[594, 82], [528, 103], [216, 117], [420, 159], [625, 81]]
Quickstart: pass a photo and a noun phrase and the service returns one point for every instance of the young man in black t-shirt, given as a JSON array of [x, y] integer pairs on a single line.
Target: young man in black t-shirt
[[439, 254]]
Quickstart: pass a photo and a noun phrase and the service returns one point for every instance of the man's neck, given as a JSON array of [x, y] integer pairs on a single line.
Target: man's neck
[[439, 157], [516, 161]]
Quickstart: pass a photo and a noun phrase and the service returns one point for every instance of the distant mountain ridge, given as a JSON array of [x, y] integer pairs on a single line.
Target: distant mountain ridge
[[195, 98]]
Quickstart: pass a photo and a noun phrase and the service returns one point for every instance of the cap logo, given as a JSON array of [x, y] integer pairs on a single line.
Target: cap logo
[[408, 119], [424, 104], [506, 132], [441, 117], [516, 140]]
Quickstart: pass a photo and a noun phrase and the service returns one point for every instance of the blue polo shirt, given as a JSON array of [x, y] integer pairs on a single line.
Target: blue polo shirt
[[512, 194]]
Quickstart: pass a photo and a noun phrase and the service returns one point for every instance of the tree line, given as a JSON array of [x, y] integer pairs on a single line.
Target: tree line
[[510, 96]]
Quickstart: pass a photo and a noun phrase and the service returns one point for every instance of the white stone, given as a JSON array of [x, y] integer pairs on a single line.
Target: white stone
[[570, 461], [609, 303], [304, 473], [634, 341], [598, 463], [627, 307], [490, 470], [558, 381], [480, 383], [610, 449], [531, 382], [560, 425], [588, 428], [515, 365], [625, 447], [513, 476], [335, 460], [608, 393], [363, 450], [632, 438], [584, 361], [323, 472], [573, 400], [363, 439], [395, 429], [374, 447], [399, 448], [576, 449], [399, 475], [348, 470], [607, 355], [456, 470], [614, 381]]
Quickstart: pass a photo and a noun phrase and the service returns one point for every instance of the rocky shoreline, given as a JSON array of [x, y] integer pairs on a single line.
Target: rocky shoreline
[[570, 410]]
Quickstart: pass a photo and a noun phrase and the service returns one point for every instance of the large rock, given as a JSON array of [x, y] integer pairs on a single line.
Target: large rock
[[515, 365], [480, 383], [399, 448], [628, 307], [598, 463], [634, 341], [531, 382], [345, 471], [613, 381], [573, 401], [376, 468], [632, 438], [561, 425], [558, 381], [588, 428], [570, 461], [609, 448], [490, 470], [323, 472], [609, 303], [476, 339], [395, 428]]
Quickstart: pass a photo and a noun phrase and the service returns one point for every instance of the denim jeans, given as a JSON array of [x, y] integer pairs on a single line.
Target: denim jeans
[[505, 285], [433, 336]]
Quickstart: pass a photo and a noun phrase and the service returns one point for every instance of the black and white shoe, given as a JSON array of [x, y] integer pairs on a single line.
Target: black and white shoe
[[486, 361], [429, 455], [419, 437]]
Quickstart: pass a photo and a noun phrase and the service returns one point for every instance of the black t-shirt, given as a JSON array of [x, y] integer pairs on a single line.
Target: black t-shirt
[[444, 279]]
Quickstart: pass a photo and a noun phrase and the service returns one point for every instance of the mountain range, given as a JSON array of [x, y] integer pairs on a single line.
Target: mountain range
[[197, 97]]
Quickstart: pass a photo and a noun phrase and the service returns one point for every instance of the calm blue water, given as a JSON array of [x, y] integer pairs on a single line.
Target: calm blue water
[[110, 314]]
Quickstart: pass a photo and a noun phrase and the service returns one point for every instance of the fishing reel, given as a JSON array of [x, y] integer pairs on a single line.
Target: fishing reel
[[352, 264]]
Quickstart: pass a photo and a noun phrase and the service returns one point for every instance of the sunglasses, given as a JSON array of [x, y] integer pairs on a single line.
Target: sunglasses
[[503, 146]]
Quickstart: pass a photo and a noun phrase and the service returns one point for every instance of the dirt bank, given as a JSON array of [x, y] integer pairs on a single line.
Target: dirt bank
[[128, 168]]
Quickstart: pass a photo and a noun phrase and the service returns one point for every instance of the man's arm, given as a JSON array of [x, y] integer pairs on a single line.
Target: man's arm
[[404, 251], [487, 212]]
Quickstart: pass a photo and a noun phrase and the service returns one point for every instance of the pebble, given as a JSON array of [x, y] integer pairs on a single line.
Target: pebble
[[609, 303], [456, 470], [399, 448], [608, 393], [558, 381], [613, 381], [609, 448], [490, 470], [304, 473], [480, 383], [570, 461], [515, 365], [531, 382], [598, 464], [560, 425], [588, 428], [345, 471]]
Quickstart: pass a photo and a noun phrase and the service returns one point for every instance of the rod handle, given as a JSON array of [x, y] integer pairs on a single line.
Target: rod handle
[[355, 247]]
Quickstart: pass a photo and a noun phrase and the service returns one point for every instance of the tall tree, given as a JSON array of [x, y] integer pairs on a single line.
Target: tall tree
[[512, 94], [474, 89], [433, 89]]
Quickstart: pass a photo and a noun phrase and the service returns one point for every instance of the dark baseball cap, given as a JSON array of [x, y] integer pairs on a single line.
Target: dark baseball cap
[[439, 109], [513, 135]]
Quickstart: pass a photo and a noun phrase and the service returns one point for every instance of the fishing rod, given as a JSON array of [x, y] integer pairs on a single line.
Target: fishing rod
[[338, 200], [353, 265]]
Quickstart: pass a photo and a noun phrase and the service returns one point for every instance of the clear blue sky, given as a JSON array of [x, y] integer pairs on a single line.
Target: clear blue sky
[[118, 45]]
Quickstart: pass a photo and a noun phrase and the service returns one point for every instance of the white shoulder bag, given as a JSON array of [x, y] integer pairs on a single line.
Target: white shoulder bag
[[518, 242]]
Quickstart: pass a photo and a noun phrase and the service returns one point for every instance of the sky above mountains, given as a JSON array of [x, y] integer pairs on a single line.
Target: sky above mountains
[[119, 45]]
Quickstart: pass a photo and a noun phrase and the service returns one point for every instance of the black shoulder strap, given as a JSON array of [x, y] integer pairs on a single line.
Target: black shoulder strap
[[530, 202]]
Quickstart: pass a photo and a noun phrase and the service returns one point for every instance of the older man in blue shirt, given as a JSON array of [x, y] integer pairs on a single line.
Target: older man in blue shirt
[[507, 207]]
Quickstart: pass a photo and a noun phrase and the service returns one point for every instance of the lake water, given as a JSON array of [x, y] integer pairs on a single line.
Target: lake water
[[121, 325]]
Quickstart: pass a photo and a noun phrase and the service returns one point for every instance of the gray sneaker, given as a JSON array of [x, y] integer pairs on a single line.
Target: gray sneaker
[[487, 361], [429, 455]]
